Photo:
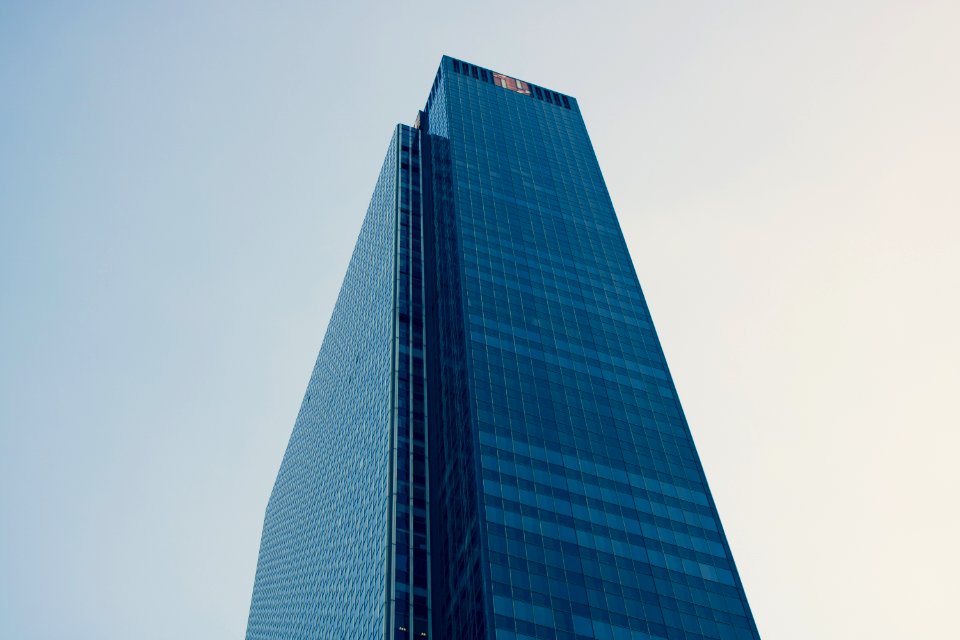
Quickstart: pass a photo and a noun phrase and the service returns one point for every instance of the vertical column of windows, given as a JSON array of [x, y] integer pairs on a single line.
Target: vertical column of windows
[[459, 583], [411, 538]]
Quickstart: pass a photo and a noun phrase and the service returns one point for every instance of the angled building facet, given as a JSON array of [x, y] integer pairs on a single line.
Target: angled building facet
[[491, 444]]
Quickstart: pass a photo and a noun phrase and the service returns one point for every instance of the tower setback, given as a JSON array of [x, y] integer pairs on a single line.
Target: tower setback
[[491, 444]]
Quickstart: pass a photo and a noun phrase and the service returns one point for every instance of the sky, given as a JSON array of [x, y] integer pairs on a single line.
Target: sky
[[181, 185]]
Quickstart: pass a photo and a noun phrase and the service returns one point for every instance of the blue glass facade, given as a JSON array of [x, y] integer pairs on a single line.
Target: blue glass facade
[[595, 519], [538, 478], [408, 614], [323, 554]]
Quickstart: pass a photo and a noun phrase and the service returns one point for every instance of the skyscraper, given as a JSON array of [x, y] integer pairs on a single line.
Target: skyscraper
[[491, 445]]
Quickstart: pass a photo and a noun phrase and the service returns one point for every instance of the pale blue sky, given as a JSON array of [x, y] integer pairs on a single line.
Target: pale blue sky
[[181, 184]]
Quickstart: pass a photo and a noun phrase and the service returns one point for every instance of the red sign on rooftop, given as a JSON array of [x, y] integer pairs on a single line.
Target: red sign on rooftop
[[511, 83]]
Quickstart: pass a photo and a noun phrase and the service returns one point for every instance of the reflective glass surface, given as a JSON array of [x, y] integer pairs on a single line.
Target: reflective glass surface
[[322, 566], [491, 445], [595, 517]]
